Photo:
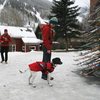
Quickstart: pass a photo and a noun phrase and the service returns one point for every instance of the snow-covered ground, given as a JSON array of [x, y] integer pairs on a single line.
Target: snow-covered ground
[[67, 85]]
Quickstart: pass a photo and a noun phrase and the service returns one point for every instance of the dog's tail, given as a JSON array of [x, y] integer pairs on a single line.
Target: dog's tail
[[23, 71]]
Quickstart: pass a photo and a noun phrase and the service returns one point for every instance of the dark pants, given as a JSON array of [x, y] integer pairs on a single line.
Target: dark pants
[[46, 58], [46, 55], [4, 49]]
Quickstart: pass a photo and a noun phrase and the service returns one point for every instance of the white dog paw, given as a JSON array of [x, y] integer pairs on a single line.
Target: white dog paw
[[50, 85]]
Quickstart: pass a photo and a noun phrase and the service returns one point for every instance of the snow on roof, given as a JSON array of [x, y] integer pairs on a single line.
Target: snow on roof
[[18, 32], [31, 40]]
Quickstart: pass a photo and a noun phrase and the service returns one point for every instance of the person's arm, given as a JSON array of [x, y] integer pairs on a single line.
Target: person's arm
[[46, 41], [9, 39], [1, 39]]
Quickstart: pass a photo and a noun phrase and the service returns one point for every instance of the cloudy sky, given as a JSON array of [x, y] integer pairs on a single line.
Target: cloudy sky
[[81, 3]]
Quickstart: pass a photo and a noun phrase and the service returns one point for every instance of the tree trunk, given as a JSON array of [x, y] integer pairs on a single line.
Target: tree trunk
[[66, 40], [70, 42]]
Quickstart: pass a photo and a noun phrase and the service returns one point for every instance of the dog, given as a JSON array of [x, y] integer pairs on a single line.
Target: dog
[[46, 68]]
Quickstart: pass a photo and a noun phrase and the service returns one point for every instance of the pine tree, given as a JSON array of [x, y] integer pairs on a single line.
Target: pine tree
[[66, 13]]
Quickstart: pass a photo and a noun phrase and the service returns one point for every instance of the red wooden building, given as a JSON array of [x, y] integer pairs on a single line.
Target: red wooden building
[[24, 39]]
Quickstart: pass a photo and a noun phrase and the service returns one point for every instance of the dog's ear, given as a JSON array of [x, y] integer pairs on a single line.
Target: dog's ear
[[56, 60]]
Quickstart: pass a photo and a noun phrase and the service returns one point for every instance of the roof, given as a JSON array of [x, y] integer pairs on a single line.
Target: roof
[[27, 34], [18, 32], [31, 40]]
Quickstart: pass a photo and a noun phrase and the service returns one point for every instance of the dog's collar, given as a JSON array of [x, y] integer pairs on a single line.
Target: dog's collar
[[53, 65]]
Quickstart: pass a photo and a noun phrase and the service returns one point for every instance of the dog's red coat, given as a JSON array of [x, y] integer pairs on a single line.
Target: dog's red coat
[[36, 67]]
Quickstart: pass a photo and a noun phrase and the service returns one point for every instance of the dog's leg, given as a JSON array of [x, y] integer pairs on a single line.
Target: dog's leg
[[33, 78], [29, 79], [48, 80]]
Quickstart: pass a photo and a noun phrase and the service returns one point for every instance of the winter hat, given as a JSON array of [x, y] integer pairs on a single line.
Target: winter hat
[[53, 20], [5, 30], [56, 61]]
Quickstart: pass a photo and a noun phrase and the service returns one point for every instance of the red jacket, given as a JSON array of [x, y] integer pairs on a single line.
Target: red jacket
[[5, 39], [39, 66], [47, 36]]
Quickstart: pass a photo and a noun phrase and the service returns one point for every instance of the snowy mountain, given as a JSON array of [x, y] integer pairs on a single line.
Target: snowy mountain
[[38, 4], [17, 12]]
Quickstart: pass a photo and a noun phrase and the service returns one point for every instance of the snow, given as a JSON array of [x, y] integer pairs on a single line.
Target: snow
[[67, 85], [82, 3], [18, 32], [41, 21], [2, 5], [31, 40], [27, 34]]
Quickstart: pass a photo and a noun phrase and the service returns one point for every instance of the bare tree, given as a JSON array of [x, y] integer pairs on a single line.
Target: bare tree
[[11, 17]]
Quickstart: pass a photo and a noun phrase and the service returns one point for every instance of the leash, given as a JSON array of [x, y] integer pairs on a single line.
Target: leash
[[43, 66]]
